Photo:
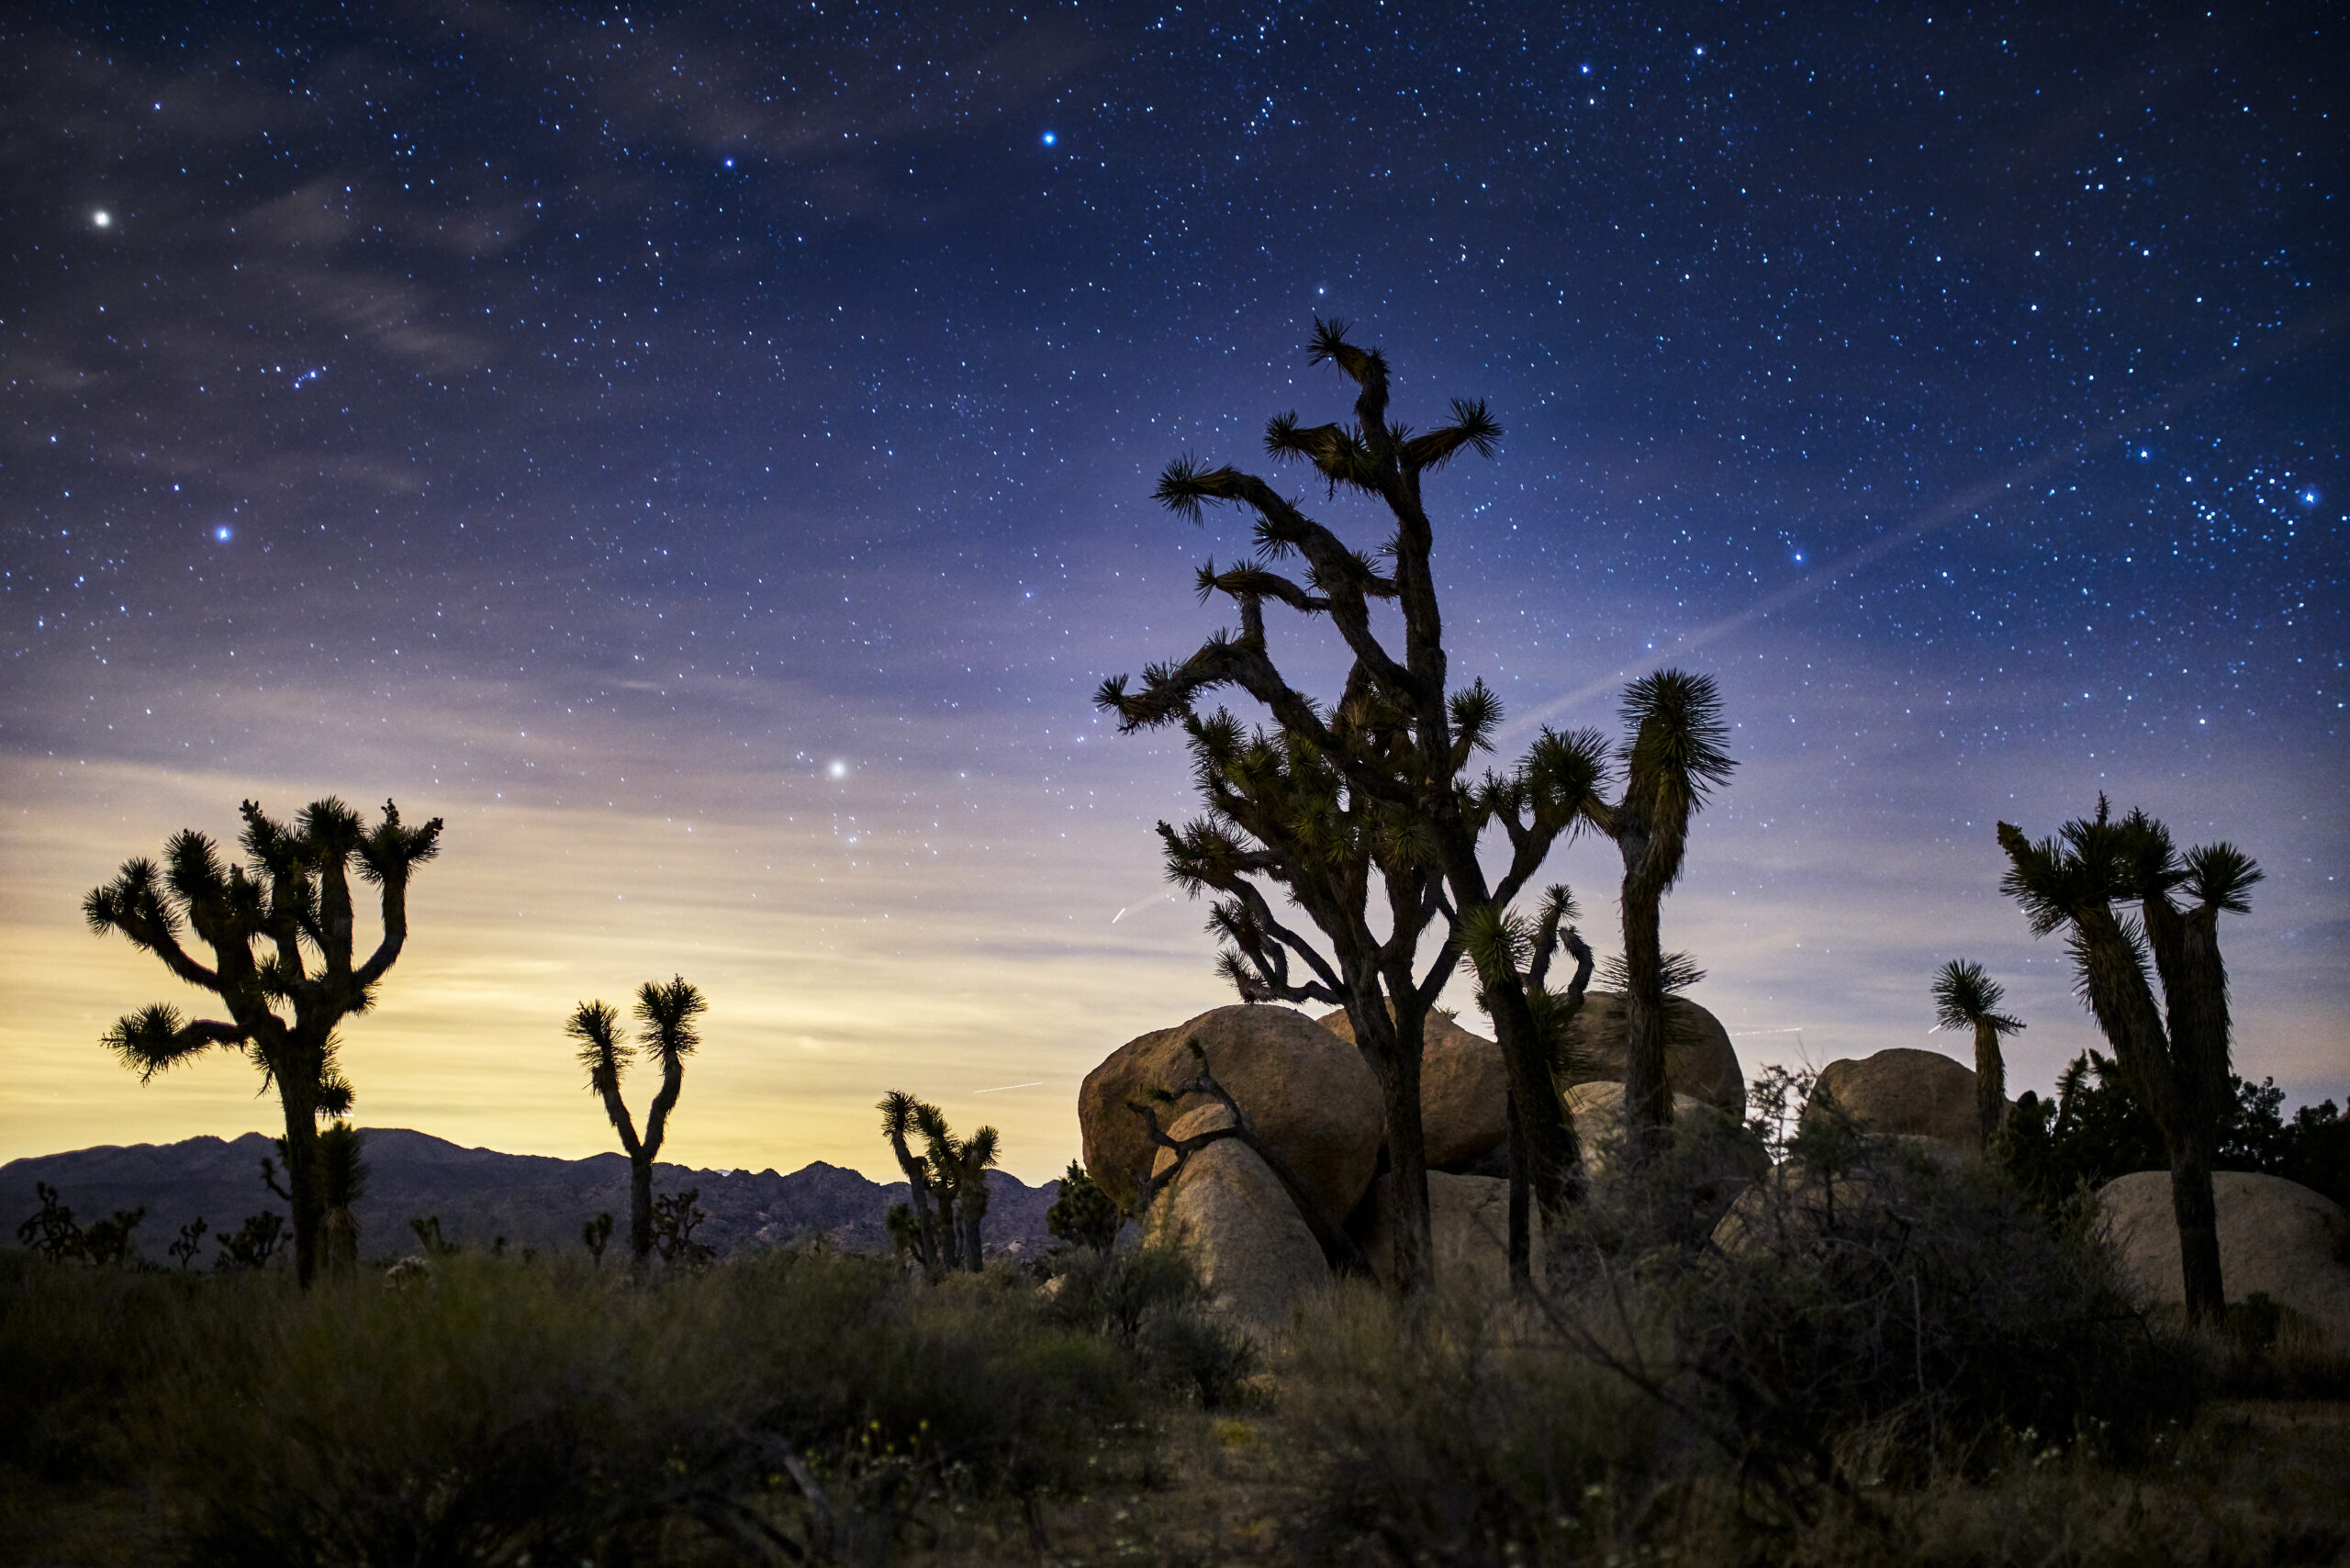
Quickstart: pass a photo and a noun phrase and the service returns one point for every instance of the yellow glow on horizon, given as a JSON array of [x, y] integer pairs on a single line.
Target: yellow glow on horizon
[[945, 985]]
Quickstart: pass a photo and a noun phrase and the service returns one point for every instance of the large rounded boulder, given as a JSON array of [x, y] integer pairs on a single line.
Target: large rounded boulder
[[1254, 1254], [1309, 1095], [1907, 1093], [1698, 1059], [1464, 1089], [2277, 1238]]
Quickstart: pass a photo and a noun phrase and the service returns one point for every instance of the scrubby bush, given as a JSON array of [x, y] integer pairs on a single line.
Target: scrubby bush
[[1870, 1316], [498, 1411], [1455, 1431], [1148, 1301]]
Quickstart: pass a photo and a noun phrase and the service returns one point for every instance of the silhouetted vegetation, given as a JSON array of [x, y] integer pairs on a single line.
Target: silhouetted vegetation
[[598, 1235], [253, 1244], [674, 1217], [2174, 1057], [1373, 782], [1083, 1215], [53, 1232], [292, 897], [1496, 940], [1672, 760], [944, 1225], [2094, 1130], [1967, 998], [667, 1014]]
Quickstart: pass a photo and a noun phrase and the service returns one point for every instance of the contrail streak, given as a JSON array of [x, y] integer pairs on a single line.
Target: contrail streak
[[1001, 1086], [1967, 502]]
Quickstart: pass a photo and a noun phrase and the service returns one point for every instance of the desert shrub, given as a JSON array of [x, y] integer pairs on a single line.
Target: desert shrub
[[1868, 1319], [494, 1410], [1444, 1431], [1149, 1302], [1876, 1311]]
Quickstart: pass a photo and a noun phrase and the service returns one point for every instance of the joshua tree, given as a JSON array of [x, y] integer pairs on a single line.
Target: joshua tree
[[972, 1159], [1500, 941], [1967, 998], [1376, 780], [598, 1235], [944, 1224], [668, 1013], [1671, 761], [292, 897], [2175, 1057], [897, 1109]]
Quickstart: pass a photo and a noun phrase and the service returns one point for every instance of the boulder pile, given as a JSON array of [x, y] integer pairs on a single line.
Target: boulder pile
[[1315, 1105]]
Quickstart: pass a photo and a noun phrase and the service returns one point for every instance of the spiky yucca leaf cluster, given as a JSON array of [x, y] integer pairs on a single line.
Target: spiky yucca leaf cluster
[[1966, 996]]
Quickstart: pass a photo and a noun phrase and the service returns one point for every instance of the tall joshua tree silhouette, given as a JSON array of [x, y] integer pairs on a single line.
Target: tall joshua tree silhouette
[[668, 1013], [292, 899], [1967, 998], [898, 1109], [1673, 759], [1376, 782], [2175, 1057]]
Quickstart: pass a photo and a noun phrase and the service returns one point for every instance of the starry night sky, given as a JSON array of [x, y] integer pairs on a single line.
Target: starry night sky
[[705, 456]]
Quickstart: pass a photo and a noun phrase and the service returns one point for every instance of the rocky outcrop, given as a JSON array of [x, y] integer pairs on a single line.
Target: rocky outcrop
[[1699, 1059], [1464, 1089], [1307, 1092], [1905, 1093], [1598, 1112], [2277, 1238], [1468, 1230], [1254, 1253]]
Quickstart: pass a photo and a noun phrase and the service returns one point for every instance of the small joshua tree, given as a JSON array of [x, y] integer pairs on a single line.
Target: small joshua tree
[[943, 1226], [2174, 1057], [668, 1014], [925, 1240], [1672, 760], [292, 899], [1967, 998], [1505, 942], [598, 1235]]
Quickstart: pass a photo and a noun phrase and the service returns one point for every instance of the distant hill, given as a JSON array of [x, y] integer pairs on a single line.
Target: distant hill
[[479, 1194]]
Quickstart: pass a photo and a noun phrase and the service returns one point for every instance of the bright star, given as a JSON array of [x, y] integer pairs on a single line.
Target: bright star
[[1050, 139], [221, 534], [102, 218], [839, 769]]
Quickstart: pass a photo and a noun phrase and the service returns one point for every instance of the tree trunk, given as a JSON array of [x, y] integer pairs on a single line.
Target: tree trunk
[[975, 1214], [1990, 1083], [1413, 1263], [1540, 1133], [1647, 1096], [302, 1179], [1521, 1220], [2198, 1228], [639, 1212]]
